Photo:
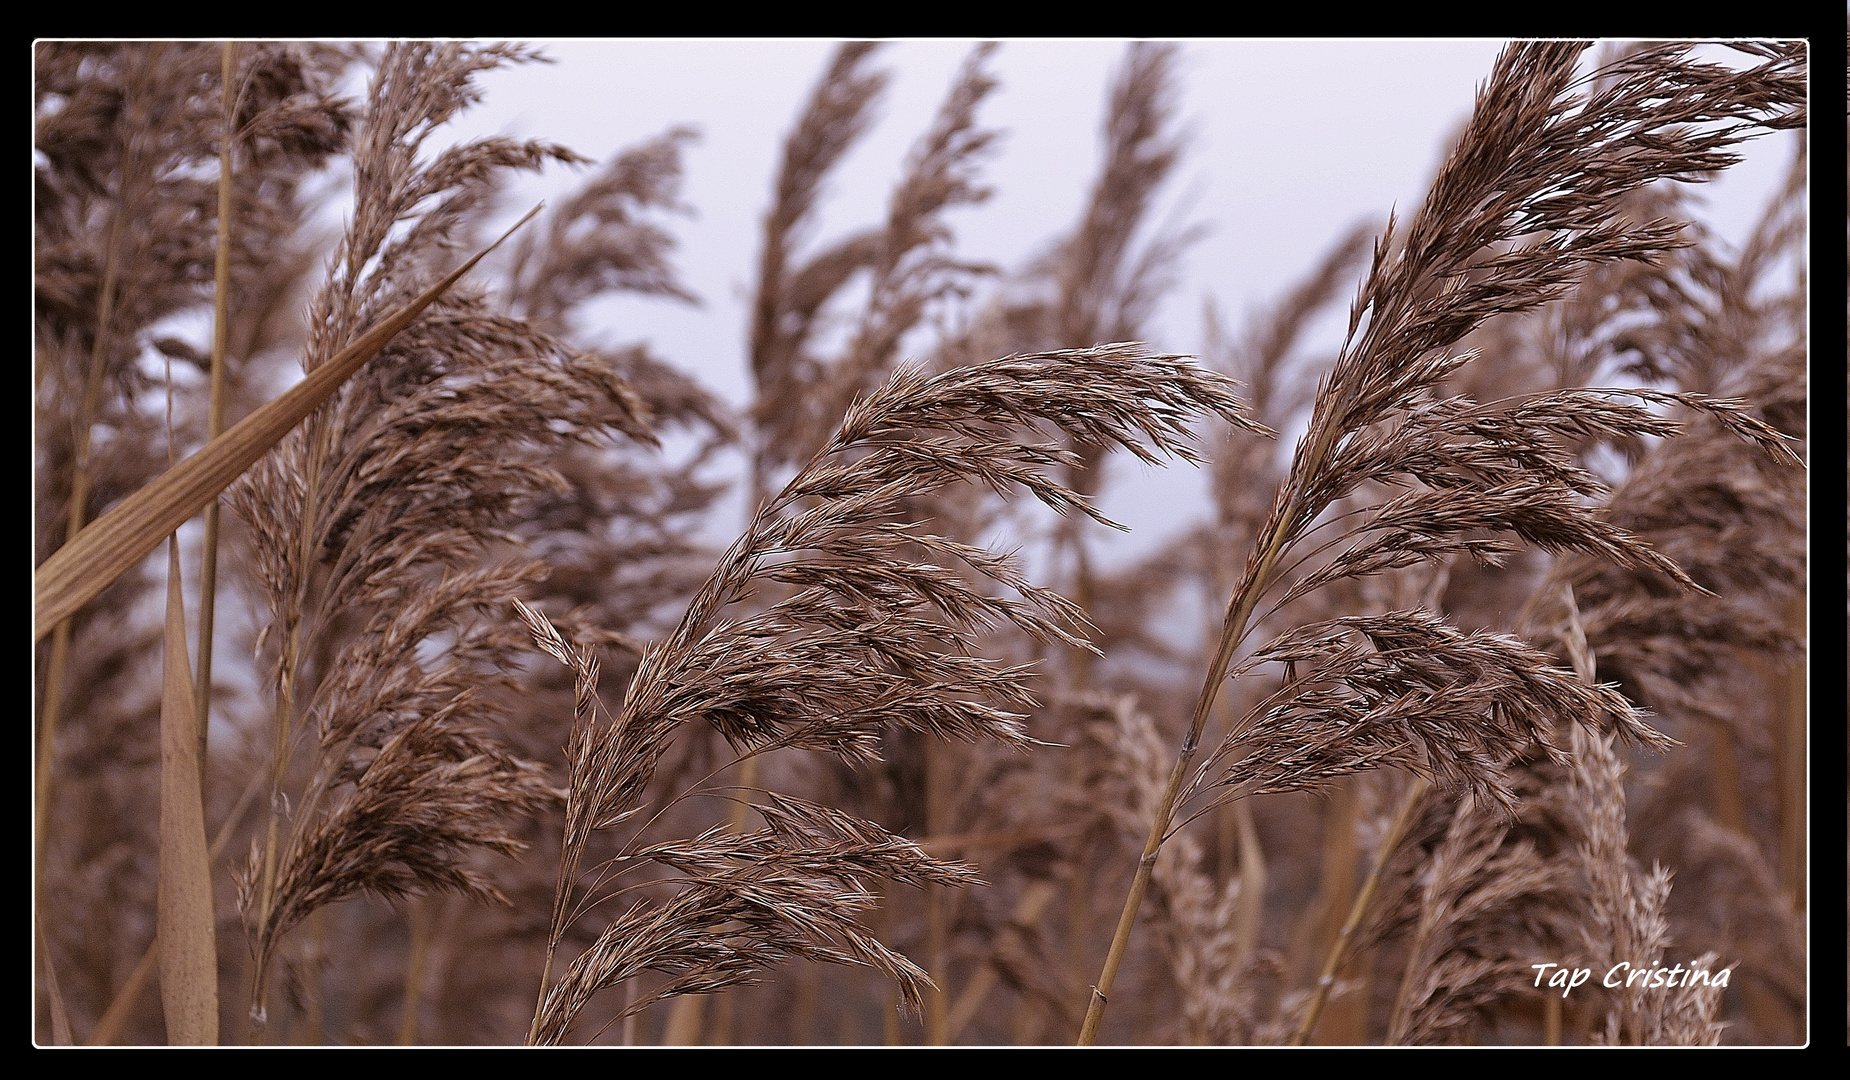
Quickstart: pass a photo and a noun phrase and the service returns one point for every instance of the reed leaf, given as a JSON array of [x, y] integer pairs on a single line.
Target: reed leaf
[[188, 936], [116, 541]]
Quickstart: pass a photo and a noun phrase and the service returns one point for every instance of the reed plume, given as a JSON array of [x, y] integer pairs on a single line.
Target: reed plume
[[1491, 897], [127, 138], [777, 679], [909, 261], [789, 299], [374, 527], [1548, 516], [1526, 200], [616, 537], [1098, 283]]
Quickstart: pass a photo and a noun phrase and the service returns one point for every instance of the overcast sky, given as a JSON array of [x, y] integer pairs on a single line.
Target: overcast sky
[[1290, 142]]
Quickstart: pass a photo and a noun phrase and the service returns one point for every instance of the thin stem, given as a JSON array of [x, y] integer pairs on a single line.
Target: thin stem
[[1792, 733], [685, 1018], [60, 1017], [423, 919], [1233, 629], [568, 872], [74, 523], [1339, 949], [314, 1009], [215, 411], [283, 729], [885, 934], [937, 1015], [721, 1032], [1078, 882], [266, 896]]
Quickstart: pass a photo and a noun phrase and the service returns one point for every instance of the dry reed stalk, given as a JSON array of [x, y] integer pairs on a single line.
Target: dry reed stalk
[[53, 693], [60, 1016], [1523, 168], [422, 920], [126, 134], [937, 905], [1105, 292], [134, 130], [777, 679], [215, 409], [684, 1020], [1794, 733], [1006, 930], [1316, 927], [61, 642], [1242, 472], [1034, 902]]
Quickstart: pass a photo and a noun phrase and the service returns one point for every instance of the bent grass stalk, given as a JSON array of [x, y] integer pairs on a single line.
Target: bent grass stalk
[[116, 541]]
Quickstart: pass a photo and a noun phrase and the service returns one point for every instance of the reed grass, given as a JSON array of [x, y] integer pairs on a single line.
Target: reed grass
[[774, 680], [1507, 178], [1526, 603]]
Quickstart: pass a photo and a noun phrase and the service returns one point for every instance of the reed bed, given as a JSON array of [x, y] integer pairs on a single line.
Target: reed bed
[[1509, 687]]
